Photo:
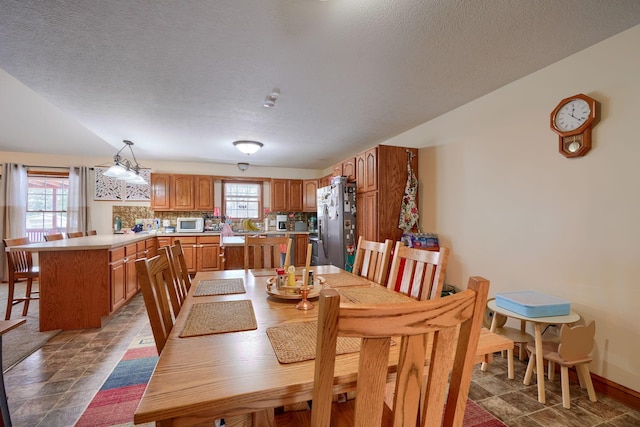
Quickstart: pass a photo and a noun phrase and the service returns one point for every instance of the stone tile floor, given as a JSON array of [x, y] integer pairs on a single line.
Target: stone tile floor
[[53, 386]]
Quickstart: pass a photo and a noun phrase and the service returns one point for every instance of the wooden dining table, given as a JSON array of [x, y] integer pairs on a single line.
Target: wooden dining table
[[219, 375]]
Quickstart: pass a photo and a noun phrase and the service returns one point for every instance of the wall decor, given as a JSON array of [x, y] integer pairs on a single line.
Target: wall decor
[[109, 188]]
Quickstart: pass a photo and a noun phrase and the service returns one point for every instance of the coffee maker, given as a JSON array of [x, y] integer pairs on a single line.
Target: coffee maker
[[282, 222]]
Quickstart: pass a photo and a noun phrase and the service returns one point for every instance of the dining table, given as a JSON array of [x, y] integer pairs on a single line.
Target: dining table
[[204, 375], [538, 323]]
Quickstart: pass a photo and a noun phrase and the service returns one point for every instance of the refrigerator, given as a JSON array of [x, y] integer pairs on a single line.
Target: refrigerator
[[337, 223]]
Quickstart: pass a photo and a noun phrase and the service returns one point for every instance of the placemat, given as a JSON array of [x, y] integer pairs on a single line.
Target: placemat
[[296, 342], [219, 317], [373, 295], [220, 287], [344, 279]]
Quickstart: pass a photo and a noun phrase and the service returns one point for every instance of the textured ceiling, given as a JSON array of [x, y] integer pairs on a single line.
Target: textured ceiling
[[183, 79]]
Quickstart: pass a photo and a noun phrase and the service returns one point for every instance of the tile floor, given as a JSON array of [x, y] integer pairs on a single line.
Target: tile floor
[[53, 386]]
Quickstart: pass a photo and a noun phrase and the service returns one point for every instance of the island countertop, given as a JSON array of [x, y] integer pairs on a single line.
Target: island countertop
[[100, 241]]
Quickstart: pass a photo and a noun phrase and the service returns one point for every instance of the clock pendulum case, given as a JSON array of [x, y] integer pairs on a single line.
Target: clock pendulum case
[[572, 120]]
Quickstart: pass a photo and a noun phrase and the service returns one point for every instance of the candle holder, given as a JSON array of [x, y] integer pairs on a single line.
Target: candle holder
[[304, 304]]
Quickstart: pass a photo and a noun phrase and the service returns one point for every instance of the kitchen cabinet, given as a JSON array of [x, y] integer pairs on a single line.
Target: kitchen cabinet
[[367, 170], [233, 257], [131, 281], [181, 192], [286, 195], [117, 278], [325, 181], [349, 169], [309, 195], [201, 253], [366, 218]]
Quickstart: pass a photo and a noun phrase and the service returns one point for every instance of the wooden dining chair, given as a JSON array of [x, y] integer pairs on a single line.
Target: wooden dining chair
[[572, 349], [454, 325], [264, 251], [157, 285], [75, 234], [92, 233], [52, 237], [417, 272], [372, 260], [20, 264], [180, 268]]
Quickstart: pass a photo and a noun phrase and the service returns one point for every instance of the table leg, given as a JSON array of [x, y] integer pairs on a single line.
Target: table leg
[[539, 362], [4, 406], [494, 325]]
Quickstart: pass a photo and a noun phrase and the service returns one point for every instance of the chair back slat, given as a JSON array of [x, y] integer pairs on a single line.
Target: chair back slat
[[450, 327], [372, 260], [18, 261], [75, 234], [53, 237], [418, 273], [264, 251]]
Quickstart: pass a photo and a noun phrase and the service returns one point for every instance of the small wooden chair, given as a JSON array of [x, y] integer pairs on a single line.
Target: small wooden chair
[[156, 282], [75, 234], [92, 233], [453, 324], [264, 251], [417, 272], [21, 267], [372, 260], [52, 237], [573, 348]]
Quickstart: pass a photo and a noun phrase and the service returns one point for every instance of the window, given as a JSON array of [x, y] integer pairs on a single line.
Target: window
[[46, 205], [242, 199]]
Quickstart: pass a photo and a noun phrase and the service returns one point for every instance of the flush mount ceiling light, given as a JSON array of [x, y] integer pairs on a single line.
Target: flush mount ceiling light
[[270, 100], [243, 166], [124, 169], [248, 147]]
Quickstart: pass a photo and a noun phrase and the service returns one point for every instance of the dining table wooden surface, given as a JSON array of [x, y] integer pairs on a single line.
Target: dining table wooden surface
[[207, 377]]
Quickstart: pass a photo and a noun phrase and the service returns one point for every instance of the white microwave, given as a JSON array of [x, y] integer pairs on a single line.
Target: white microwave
[[190, 225]]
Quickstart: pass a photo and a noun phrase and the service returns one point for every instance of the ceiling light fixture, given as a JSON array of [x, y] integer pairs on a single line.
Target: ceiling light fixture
[[124, 169], [248, 147], [243, 166], [270, 100]]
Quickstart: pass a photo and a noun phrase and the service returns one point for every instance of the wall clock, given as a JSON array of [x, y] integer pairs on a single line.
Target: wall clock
[[572, 120]]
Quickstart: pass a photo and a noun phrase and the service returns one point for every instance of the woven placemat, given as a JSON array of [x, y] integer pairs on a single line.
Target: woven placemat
[[296, 342], [373, 295], [220, 287], [344, 279], [219, 317]]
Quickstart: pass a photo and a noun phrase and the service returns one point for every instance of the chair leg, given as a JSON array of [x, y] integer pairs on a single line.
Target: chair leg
[[510, 370], [583, 372], [564, 377], [25, 309], [551, 370], [11, 288], [529, 372]]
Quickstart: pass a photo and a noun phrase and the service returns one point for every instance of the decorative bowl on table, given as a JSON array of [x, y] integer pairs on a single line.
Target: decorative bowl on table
[[294, 292]]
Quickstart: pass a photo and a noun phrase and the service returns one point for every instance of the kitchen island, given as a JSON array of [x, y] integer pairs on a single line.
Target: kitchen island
[[84, 280]]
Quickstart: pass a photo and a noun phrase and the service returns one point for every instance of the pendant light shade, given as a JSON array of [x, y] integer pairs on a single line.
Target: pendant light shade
[[248, 147], [124, 169]]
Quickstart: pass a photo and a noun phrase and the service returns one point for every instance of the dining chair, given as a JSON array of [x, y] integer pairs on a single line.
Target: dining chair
[[572, 349], [75, 234], [180, 268], [418, 273], [264, 251], [157, 284], [453, 325], [52, 237], [372, 260], [20, 264], [92, 233]]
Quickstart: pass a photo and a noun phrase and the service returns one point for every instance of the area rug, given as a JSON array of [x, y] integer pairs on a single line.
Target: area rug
[[117, 400], [24, 340]]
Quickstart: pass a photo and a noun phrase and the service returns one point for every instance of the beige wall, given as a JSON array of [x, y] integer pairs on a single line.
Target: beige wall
[[514, 210]]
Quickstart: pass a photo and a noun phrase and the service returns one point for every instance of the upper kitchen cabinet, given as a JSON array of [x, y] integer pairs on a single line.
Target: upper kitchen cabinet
[[181, 192], [309, 195], [325, 181], [286, 195], [367, 170], [346, 168]]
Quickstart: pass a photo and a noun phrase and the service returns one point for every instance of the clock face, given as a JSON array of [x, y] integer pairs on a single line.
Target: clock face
[[572, 115]]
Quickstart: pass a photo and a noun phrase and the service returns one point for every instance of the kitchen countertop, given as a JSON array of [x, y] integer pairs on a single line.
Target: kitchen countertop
[[100, 241], [236, 233]]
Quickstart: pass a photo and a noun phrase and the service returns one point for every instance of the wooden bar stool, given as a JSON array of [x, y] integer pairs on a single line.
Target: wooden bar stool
[[20, 267]]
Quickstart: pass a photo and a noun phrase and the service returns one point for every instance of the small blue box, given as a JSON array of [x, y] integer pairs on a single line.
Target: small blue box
[[533, 304]]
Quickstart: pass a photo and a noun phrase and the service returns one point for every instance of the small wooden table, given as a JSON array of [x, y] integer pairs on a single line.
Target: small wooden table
[[6, 326], [538, 322]]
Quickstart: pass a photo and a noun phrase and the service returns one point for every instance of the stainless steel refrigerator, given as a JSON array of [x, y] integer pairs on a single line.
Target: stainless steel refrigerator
[[336, 223]]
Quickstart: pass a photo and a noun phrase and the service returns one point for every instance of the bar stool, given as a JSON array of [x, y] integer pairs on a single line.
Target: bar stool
[[20, 267]]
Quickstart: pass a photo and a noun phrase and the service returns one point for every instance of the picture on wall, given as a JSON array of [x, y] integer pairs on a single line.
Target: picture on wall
[[109, 188]]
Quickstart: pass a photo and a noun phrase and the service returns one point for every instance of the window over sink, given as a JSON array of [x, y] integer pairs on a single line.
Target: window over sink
[[242, 199]]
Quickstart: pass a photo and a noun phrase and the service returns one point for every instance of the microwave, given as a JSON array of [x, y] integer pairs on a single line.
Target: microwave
[[190, 225]]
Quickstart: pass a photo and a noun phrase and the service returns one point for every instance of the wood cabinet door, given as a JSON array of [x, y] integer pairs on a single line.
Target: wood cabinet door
[[117, 282], [208, 257], [360, 172], [349, 169], [279, 195], [309, 195], [325, 181], [369, 212], [182, 192], [234, 257], [204, 193], [371, 170], [160, 196], [337, 170], [295, 195], [131, 281], [301, 242]]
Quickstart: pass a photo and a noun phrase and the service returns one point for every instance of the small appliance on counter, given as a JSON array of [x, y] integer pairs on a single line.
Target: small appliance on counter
[[190, 225], [281, 222], [169, 229]]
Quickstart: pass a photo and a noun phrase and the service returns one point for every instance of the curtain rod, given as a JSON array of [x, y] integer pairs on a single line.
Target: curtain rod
[[52, 167]]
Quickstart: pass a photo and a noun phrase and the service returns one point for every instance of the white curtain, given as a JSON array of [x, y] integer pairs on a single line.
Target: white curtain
[[13, 201], [78, 211]]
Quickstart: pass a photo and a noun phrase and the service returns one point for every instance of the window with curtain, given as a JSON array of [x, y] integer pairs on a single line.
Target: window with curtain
[[47, 198], [242, 199]]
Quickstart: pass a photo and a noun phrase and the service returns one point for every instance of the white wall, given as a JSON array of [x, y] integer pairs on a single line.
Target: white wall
[[512, 209]]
